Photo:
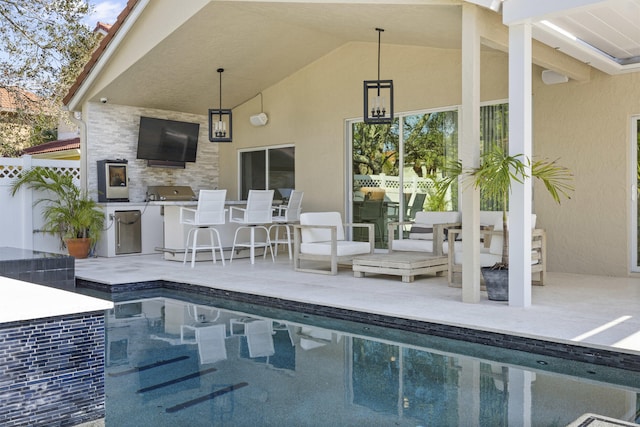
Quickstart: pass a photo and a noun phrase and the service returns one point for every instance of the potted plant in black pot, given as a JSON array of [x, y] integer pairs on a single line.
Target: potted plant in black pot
[[68, 211], [497, 172]]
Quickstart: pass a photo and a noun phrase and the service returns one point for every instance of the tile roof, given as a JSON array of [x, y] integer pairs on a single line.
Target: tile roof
[[9, 102], [52, 146]]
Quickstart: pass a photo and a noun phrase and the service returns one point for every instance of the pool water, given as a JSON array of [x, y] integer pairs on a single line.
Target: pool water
[[174, 359]]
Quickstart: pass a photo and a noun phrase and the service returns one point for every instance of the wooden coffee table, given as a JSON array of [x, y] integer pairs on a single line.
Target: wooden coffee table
[[405, 264]]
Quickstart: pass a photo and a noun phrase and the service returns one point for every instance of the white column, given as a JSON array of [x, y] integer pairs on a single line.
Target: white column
[[520, 143], [469, 150]]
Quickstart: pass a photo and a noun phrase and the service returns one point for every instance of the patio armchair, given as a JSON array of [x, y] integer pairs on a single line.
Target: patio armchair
[[320, 237], [491, 248], [427, 233]]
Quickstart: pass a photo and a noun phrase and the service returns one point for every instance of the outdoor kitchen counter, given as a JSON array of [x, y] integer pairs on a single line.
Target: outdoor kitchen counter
[[193, 203]]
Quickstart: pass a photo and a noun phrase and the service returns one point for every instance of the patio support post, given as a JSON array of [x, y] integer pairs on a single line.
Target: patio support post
[[520, 143], [469, 149]]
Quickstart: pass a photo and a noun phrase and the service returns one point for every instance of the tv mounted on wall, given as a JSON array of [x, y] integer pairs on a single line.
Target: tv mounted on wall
[[167, 143]]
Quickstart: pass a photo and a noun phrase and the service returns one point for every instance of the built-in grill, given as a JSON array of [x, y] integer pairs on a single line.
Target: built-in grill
[[170, 193]]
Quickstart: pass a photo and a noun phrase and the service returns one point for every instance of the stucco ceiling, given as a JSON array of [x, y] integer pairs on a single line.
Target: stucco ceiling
[[259, 44]]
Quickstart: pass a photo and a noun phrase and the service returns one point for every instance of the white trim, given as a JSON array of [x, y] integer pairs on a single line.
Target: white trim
[[520, 11], [633, 188]]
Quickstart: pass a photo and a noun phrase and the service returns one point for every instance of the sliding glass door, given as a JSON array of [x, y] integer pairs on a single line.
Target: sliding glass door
[[635, 184], [394, 168]]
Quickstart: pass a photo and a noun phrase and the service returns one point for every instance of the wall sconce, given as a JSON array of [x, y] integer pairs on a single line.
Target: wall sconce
[[220, 125], [378, 97]]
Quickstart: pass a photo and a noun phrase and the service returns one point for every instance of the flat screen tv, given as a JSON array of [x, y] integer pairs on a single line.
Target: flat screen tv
[[167, 140]]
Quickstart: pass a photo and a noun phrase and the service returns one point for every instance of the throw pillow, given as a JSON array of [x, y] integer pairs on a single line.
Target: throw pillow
[[421, 232]]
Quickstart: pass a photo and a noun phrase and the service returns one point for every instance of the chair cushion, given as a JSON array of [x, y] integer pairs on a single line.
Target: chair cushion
[[487, 259], [430, 218], [344, 248], [422, 229], [415, 245], [321, 218]]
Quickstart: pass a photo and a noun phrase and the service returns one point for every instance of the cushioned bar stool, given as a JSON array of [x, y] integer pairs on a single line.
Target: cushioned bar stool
[[287, 216], [209, 213], [256, 215]]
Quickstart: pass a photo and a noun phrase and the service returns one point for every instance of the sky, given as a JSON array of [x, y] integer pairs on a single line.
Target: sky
[[105, 11]]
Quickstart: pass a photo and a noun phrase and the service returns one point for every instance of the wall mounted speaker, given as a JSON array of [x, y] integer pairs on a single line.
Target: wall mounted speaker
[[550, 77], [259, 119]]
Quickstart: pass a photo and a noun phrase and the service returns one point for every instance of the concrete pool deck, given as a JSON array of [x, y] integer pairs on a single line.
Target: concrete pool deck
[[593, 311]]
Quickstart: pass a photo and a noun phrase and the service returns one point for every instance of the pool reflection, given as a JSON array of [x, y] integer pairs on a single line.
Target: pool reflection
[[172, 362]]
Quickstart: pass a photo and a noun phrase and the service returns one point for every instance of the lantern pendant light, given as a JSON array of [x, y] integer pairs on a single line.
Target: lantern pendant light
[[220, 125], [378, 97]]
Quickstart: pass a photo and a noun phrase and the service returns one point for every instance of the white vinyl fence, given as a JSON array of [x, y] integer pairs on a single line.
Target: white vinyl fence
[[20, 221]]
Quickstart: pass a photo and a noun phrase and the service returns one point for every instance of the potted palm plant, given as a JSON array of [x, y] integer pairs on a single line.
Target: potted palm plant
[[497, 172], [69, 212]]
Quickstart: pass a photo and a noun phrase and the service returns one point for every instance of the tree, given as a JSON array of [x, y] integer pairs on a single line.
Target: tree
[[44, 46]]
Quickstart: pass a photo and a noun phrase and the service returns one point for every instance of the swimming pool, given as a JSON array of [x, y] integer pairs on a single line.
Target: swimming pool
[[175, 358]]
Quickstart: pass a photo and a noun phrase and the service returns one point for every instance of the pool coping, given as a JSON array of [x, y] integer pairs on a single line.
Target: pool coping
[[563, 350]]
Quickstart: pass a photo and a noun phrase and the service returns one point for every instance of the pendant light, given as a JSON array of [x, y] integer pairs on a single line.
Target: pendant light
[[378, 97], [220, 125]]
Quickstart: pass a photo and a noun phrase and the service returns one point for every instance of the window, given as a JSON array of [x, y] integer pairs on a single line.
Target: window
[[266, 169]]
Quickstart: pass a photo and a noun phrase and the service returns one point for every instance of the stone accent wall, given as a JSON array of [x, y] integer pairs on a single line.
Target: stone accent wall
[[52, 371], [112, 133]]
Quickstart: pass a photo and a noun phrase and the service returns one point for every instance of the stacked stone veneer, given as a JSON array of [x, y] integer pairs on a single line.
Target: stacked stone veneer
[[112, 133], [52, 371]]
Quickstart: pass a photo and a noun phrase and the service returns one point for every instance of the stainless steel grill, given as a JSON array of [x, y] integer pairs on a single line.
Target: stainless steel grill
[[170, 193]]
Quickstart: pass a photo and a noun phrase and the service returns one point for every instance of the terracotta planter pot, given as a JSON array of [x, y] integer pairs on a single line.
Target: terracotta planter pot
[[78, 248], [497, 283]]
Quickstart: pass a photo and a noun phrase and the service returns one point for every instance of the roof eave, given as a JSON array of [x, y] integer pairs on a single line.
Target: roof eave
[[107, 47]]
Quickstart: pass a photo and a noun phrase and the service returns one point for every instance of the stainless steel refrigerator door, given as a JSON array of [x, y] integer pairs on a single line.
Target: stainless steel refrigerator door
[[128, 232]]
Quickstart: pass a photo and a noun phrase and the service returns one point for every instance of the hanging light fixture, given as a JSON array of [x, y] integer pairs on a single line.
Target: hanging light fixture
[[220, 126], [378, 97]]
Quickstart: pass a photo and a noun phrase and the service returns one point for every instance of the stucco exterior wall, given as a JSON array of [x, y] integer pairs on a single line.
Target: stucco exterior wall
[[112, 133], [586, 126], [310, 109]]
